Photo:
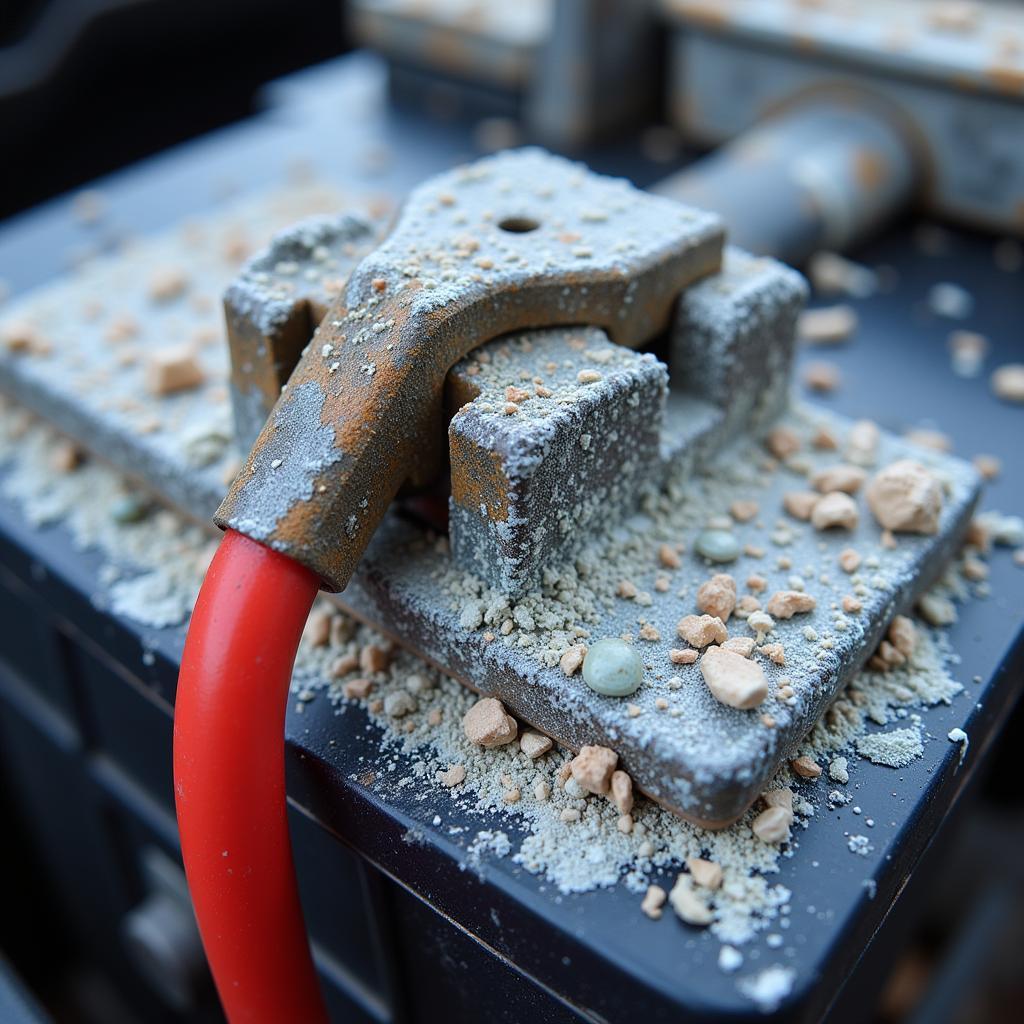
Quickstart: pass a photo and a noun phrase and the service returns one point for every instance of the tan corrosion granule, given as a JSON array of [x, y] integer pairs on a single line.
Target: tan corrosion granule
[[761, 623], [564, 773], [741, 645], [974, 569], [806, 767], [782, 442], [778, 798], [488, 724], [534, 744], [753, 551], [746, 606], [701, 630], [542, 791], [862, 443], [66, 456], [827, 325], [621, 791], [784, 604], [317, 630], [454, 775], [661, 704], [905, 497], [1018, 557], [836, 510], [757, 584], [934, 440], [772, 825], [743, 511], [634, 710], [343, 665], [435, 716], [851, 605], [989, 466], [514, 394], [374, 658], [733, 679], [800, 504], [569, 814], [822, 376], [624, 823], [172, 369], [849, 560], [717, 596], [775, 653], [687, 904], [358, 689], [903, 635], [706, 873], [978, 535], [571, 661], [824, 440], [653, 901], [1008, 382], [592, 768], [662, 584], [512, 796], [841, 477], [768, 721], [166, 284], [682, 656], [626, 589], [588, 376], [649, 632], [669, 557], [937, 609]]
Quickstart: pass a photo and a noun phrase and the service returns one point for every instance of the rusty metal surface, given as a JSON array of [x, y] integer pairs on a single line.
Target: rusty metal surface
[[272, 308], [520, 240]]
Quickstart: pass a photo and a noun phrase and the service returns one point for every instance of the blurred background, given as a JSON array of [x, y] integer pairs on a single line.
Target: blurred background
[[912, 149]]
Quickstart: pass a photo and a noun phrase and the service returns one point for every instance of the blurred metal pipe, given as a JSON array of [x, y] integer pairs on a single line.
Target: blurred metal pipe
[[818, 175]]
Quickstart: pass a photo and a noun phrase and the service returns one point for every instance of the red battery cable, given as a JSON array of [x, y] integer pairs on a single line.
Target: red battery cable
[[229, 782]]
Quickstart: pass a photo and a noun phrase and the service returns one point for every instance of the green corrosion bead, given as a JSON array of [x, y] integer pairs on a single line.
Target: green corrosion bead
[[717, 546], [613, 668]]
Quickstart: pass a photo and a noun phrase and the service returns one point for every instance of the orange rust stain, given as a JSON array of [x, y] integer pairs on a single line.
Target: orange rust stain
[[478, 478]]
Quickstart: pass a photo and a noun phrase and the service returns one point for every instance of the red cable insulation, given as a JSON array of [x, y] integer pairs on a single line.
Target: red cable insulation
[[229, 782]]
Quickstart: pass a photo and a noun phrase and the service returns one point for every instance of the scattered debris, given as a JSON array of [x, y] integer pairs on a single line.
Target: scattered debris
[[827, 325]]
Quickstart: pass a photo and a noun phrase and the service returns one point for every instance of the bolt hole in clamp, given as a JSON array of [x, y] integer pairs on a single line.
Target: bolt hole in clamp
[[520, 240]]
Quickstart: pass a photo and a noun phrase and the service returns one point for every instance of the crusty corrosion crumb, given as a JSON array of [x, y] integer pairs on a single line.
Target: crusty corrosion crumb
[[800, 504], [784, 604], [682, 655], [701, 630], [905, 497], [733, 679], [172, 369], [592, 768], [806, 767], [717, 596], [488, 724], [705, 873], [743, 511], [572, 659], [455, 775], [782, 442], [835, 510], [653, 901]]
